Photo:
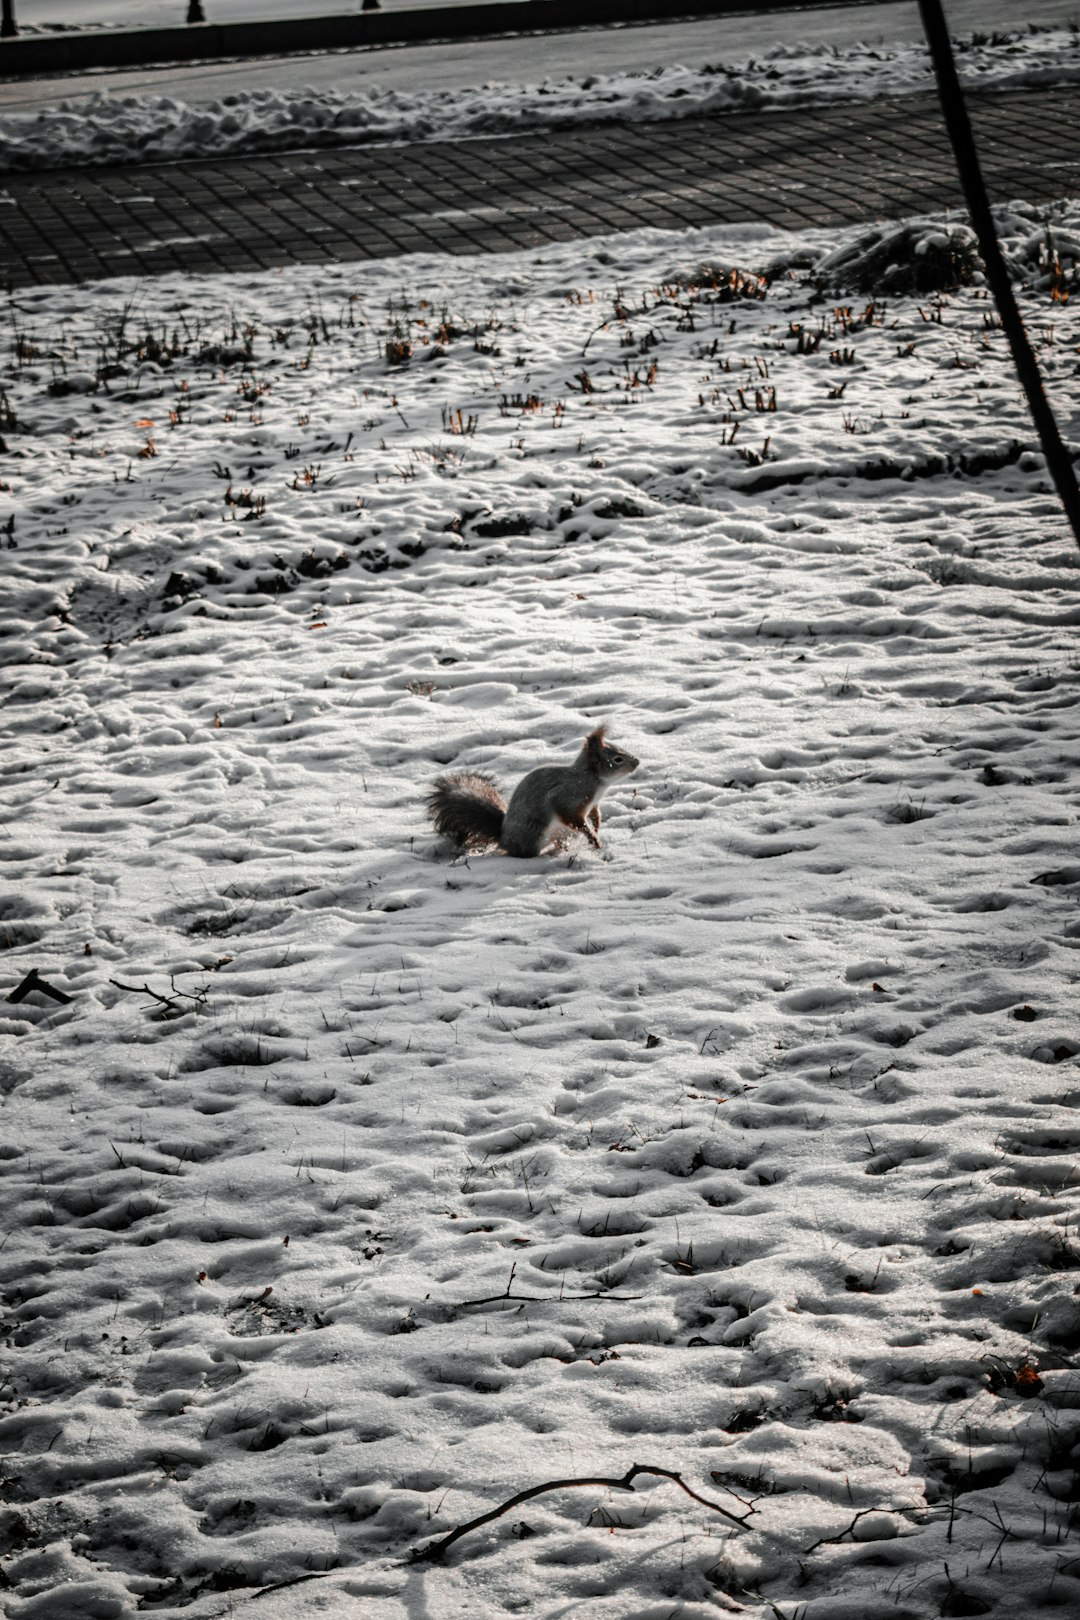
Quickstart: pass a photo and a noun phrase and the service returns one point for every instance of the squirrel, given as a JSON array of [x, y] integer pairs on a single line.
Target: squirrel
[[468, 808]]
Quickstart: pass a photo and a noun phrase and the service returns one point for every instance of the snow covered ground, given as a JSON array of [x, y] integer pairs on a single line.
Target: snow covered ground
[[357, 1188], [106, 128]]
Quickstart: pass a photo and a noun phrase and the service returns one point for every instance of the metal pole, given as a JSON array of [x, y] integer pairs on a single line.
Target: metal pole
[[195, 12], [8, 26], [1058, 460]]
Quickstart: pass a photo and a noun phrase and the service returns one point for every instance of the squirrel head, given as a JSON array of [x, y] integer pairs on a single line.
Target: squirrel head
[[606, 759]]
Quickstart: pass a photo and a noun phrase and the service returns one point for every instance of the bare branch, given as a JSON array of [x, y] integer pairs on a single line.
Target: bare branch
[[532, 1299], [537, 1299], [825, 1541], [437, 1549], [603, 326], [275, 1586], [144, 990], [199, 996], [34, 981]]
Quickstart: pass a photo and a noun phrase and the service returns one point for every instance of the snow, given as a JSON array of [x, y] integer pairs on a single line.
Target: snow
[[104, 128], [768, 1112]]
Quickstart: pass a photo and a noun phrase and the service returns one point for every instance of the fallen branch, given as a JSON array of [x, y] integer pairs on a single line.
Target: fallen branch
[[276, 1586], [826, 1541], [437, 1549], [144, 990], [166, 1001], [536, 1299], [533, 1299], [34, 981]]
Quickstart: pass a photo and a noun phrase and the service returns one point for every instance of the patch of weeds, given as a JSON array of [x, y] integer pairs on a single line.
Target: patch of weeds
[[398, 350], [620, 506], [501, 527], [834, 1408], [724, 284], [755, 458], [258, 1317], [919, 256], [742, 1421], [213, 924], [253, 506], [906, 811]]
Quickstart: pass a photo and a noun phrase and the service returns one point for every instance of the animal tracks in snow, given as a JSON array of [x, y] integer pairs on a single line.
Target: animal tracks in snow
[[770, 1118]]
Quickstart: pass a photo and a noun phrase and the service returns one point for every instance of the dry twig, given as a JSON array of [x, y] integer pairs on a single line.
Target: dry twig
[[437, 1549], [533, 1299], [166, 1001], [537, 1299]]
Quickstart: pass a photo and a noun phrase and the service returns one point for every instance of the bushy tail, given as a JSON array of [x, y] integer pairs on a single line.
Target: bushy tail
[[467, 808]]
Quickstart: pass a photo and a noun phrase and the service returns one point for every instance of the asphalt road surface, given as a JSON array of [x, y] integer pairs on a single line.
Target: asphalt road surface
[[473, 62]]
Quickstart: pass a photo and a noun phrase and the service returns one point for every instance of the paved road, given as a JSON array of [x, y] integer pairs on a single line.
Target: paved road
[[456, 64], [821, 166]]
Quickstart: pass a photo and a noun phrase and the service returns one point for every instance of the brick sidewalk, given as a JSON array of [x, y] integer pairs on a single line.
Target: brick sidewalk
[[819, 166]]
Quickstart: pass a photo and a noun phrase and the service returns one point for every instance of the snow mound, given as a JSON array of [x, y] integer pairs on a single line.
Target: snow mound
[[104, 129], [915, 256], [940, 255]]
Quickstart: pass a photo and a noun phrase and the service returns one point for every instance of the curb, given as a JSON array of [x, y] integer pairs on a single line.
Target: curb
[[71, 52]]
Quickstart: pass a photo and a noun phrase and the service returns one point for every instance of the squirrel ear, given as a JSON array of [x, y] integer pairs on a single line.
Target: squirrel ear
[[597, 736]]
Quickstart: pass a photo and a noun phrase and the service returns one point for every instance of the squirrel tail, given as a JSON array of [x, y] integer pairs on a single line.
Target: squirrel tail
[[467, 808]]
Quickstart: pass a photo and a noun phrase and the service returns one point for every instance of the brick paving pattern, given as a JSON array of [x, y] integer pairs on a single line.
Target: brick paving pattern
[[820, 166]]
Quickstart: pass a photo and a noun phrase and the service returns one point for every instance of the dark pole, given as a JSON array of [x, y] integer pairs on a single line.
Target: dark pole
[[8, 26], [958, 124], [195, 12]]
